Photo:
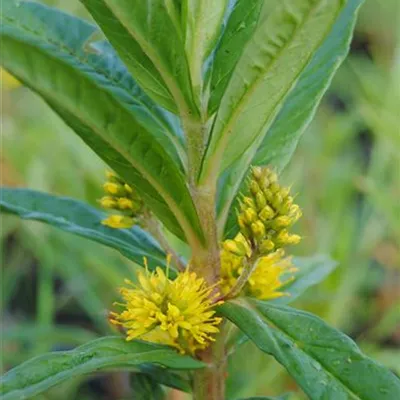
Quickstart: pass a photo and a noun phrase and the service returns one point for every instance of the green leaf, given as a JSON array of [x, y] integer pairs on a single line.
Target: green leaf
[[282, 137], [324, 361], [139, 64], [240, 27], [53, 335], [284, 41], [145, 388], [41, 373], [48, 51], [203, 22], [151, 45], [311, 271], [279, 144], [166, 377], [83, 220]]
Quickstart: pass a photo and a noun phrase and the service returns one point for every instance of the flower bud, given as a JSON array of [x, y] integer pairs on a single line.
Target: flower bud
[[266, 213], [274, 187], [277, 201], [285, 192], [249, 215], [257, 172], [282, 222], [125, 203], [294, 239], [118, 221], [272, 176], [114, 188], [108, 202], [260, 200], [258, 229], [236, 248], [266, 246], [249, 202], [254, 188]]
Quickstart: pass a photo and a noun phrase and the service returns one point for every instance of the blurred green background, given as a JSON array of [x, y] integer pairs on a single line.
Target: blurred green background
[[57, 288]]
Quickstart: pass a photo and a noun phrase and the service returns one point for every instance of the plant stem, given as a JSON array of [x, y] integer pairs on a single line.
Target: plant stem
[[249, 267], [209, 383]]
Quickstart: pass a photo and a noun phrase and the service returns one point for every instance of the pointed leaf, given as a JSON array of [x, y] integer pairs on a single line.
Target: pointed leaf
[[166, 377], [138, 63], [203, 22], [146, 388], [83, 220], [54, 62], [281, 139], [311, 271], [279, 144], [240, 27], [284, 41], [148, 41], [41, 373], [324, 361]]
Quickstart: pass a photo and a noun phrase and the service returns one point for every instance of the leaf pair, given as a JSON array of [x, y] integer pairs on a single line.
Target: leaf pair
[[89, 87]]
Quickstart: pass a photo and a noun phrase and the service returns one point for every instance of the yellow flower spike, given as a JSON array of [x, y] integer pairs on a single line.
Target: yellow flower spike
[[121, 197], [118, 221], [177, 313], [265, 217]]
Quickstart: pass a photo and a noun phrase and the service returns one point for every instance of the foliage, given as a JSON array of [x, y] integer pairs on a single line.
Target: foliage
[[180, 98]]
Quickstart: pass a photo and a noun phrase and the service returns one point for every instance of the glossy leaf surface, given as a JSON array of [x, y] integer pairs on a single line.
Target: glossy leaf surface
[[43, 372], [324, 361], [83, 220]]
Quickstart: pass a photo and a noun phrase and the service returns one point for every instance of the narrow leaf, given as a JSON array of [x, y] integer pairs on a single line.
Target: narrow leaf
[[203, 23], [55, 62], [138, 63], [145, 388], [41, 373], [146, 38], [166, 377], [280, 49], [311, 271], [83, 220], [324, 361], [279, 144], [298, 109], [240, 27]]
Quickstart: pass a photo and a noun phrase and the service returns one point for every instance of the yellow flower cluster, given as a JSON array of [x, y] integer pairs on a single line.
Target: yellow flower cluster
[[177, 313], [122, 198], [266, 214]]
